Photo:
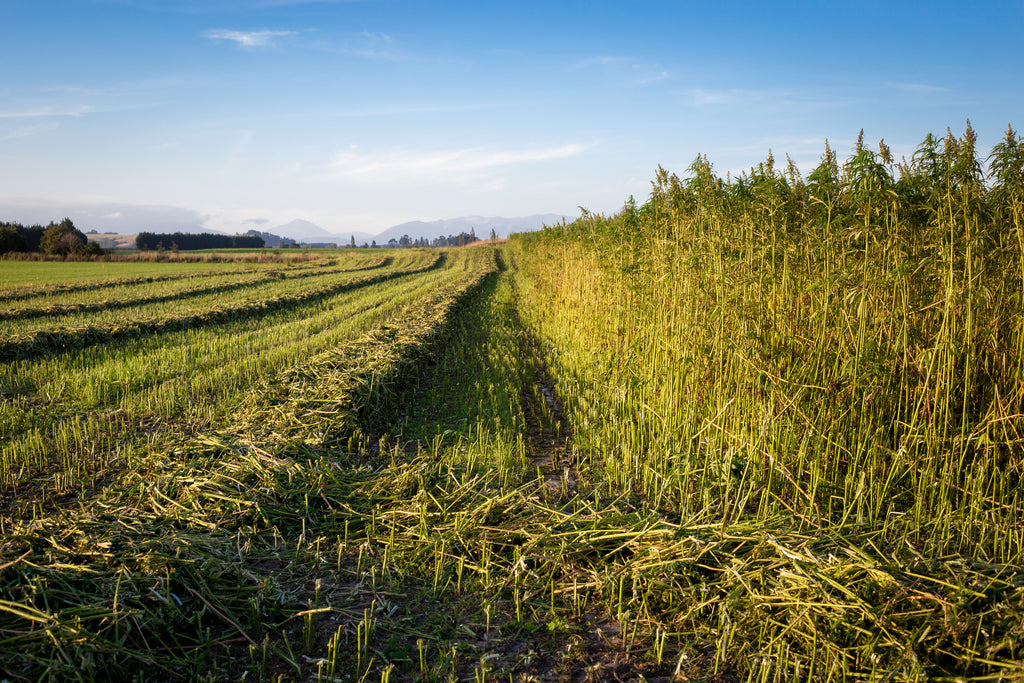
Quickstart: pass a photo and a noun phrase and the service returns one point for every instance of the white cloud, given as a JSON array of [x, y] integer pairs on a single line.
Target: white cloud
[[600, 60], [628, 70], [921, 88], [782, 97], [730, 96], [370, 45], [25, 131], [429, 108], [52, 101], [103, 216], [247, 38], [442, 166], [362, 44], [652, 77], [46, 111]]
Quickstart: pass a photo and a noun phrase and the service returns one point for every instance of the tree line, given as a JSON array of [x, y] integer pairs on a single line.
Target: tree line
[[56, 239], [150, 241], [460, 240]]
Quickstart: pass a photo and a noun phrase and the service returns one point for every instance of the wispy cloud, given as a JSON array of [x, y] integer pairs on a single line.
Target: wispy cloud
[[652, 77], [46, 112], [59, 101], [287, 3], [370, 45], [920, 88], [25, 131], [247, 38], [724, 96], [440, 166], [201, 7], [769, 97], [364, 44], [428, 108], [630, 70], [103, 216]]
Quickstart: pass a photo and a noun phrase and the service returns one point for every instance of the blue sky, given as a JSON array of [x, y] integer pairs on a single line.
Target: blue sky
[[357, 115]]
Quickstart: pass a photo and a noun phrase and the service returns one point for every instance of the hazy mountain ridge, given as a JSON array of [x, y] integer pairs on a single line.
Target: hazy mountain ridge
[[305, 231], [122, 219]]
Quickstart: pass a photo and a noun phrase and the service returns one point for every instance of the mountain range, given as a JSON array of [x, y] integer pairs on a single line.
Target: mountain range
[[125, 219], [305, 231]]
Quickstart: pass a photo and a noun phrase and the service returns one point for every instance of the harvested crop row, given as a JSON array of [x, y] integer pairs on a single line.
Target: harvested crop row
[[196, 545], [87, 276], [174, 379], [30, 292], [140, 299], [135, 376], [117, 297], [45, 341], [353, 381], [172, 293], [71, 416]]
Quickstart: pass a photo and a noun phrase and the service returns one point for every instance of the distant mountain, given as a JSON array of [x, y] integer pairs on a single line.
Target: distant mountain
[[480, 225], [304, 231], [270, 240], [130, 219]]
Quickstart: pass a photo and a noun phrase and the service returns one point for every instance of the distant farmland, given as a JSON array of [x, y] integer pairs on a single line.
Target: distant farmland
[[113, 240]]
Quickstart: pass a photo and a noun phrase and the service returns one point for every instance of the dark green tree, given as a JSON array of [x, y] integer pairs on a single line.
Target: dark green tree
[[62, 239], [92, 249], [11, 240], [32, 235]]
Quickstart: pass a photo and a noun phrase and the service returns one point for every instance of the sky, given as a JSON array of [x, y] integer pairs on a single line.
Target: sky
[[357, 115]]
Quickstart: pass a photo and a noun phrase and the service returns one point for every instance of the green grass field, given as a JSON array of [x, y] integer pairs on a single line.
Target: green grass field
[[764, 428], [34, 274]]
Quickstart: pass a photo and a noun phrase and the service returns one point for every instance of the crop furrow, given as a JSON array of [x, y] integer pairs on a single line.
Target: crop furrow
[[23, 293], [46, 342], [113, 304], [367, 375], [87, 415]]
